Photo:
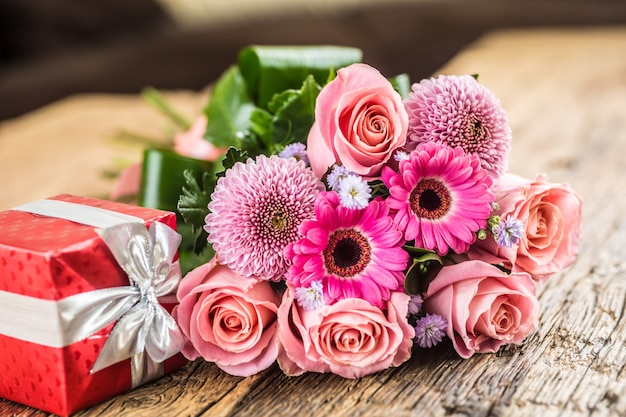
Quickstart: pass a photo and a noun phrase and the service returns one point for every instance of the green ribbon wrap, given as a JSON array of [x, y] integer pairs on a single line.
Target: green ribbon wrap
[[162, 177]]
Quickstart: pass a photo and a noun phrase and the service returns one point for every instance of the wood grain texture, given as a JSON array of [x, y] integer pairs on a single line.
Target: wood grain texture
[[565, 95]]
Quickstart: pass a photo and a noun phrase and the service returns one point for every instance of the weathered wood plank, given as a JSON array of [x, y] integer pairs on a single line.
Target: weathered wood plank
[[565, 94]]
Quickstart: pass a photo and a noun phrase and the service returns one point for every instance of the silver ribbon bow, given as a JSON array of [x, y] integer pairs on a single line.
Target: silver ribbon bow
[[145, 331]]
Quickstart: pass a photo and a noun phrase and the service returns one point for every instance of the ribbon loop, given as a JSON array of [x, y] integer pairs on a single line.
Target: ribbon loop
[[83, 314], [146, 255]]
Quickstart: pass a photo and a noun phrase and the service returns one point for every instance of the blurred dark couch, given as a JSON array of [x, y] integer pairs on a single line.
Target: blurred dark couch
[[53, 48]]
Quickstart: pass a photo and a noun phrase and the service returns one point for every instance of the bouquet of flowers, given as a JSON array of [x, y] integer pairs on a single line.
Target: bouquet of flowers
[[355, 219]]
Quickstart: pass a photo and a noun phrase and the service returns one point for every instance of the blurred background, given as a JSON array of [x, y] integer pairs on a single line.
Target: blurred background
[[50, 49]]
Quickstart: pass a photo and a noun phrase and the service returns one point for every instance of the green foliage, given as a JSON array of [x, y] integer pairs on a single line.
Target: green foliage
[[262, 125], [162, 177], [233, 156], [287, 119], [270, 70], [379, 189], [294, 112], [229, 110], [193, 205], [425, 266], [402, 84], [191, 254]]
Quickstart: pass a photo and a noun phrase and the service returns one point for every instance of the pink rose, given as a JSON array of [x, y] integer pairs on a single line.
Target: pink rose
[[193, 144], [228, 319], [485, 308], [359, 122], [350, 338], [552, 217]]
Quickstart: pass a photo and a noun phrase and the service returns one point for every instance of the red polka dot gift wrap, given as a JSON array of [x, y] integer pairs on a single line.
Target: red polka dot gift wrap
[[60, 284]]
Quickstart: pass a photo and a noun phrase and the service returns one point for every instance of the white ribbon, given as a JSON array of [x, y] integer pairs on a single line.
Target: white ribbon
[[145, 331], [78, 213]]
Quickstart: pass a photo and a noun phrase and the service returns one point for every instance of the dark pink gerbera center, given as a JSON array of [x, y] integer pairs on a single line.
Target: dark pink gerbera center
[[347, 254], [430, 199]]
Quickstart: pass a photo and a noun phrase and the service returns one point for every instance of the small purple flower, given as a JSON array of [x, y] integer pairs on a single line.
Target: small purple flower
[[295, 150], [508, 232], [429, 330], [415, 304], [335, 176]]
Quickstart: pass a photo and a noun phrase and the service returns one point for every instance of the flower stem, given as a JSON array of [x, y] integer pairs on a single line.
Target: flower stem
[[157, 100]]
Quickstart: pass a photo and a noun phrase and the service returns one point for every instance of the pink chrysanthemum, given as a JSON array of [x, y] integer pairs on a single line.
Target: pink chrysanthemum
[[458, 111], [354, 253], [440, 197], [255, 211]]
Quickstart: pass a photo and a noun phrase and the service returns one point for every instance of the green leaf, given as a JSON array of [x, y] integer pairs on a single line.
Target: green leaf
[[417, 252], [423, 270], [294, 112], [379, 189], [190, 259], [402, 84], [193, 203], [332, 74], [269, 70], [233, 155], [261, 124], [193, 250], [229, 110]]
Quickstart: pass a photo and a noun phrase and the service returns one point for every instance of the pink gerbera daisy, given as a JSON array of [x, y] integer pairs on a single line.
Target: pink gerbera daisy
[[440, 197], [458, 111], [354, 253], [255, 211]]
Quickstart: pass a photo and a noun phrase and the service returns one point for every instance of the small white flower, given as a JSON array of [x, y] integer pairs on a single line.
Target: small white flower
[[311, 298], [354, 192], [400, 156]]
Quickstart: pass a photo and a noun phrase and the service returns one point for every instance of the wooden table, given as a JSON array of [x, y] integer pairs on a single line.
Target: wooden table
[[565, 94]]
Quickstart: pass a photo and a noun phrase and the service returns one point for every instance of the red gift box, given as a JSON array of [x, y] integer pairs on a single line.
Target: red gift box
[[50, 264]]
